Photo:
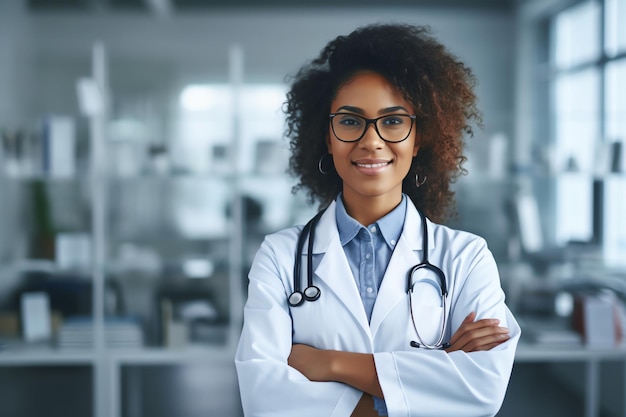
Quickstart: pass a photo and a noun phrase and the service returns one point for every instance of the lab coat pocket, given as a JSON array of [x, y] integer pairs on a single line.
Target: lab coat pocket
[[325, 324]]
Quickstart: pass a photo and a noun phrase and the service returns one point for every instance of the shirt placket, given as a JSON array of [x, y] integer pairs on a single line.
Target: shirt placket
[[367, 271]]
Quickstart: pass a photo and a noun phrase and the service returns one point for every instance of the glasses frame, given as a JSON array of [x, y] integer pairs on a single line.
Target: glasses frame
[[374, 122]]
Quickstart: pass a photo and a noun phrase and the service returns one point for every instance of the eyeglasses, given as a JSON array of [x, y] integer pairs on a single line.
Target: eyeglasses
[[393, 128]]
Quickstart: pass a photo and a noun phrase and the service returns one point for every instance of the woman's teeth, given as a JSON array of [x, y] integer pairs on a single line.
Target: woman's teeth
[[378, 165]]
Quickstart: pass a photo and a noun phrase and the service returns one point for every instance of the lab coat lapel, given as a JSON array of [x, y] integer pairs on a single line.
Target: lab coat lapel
[[408, 253], [334, 270]]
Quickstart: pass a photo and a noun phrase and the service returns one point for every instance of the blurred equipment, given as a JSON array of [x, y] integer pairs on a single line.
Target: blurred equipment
[[599, 318], [188, 314]]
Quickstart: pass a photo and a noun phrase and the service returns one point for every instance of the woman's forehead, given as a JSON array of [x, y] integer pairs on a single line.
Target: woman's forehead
[[370, 91]]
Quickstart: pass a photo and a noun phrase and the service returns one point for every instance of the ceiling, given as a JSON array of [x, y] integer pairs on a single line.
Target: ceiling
[[169, 6]]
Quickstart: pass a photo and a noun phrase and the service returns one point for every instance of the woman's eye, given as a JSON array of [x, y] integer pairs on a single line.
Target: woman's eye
[[393, 120], [350, 121]]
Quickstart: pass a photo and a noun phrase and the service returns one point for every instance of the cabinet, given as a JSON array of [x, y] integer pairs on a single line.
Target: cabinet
[[170, 230]]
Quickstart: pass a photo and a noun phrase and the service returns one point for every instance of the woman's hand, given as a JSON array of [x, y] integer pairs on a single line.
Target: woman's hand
[[478, 335], [355, 369]]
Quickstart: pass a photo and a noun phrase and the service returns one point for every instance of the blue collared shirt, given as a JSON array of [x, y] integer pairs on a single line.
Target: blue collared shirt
[[369, 249]]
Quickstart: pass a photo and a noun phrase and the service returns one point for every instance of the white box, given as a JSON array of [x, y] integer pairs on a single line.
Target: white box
[[35, 309], [600, 322]]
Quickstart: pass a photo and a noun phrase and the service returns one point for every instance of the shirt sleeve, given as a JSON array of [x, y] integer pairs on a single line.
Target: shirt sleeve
[[423, 382], [380, 406], [268, 385]]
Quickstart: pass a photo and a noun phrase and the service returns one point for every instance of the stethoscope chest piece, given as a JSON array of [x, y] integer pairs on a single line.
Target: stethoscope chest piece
[[295, 298], [312, 293]]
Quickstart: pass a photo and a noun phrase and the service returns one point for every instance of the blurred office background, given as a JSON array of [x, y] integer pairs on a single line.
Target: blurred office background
[[142, 160]]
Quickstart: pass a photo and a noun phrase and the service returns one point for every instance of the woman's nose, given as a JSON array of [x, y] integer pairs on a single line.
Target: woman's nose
[[371, 138]]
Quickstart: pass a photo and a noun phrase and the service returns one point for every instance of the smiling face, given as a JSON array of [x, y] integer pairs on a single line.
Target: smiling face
[[372, 170]]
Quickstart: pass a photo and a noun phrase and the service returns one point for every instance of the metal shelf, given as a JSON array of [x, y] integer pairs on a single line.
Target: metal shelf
[[539, 352], [189, 355], [204, 354], [47, 357]]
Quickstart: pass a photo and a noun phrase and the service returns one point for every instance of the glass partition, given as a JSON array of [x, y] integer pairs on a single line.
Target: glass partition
[[615, 31]]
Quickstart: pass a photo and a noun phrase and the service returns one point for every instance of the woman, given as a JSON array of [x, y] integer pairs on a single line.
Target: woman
[[376, 125]]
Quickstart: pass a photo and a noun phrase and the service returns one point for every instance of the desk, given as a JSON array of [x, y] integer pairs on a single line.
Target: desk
[[592, 358]]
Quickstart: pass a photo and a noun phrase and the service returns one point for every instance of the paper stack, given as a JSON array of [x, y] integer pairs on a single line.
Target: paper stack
[[119, 332]]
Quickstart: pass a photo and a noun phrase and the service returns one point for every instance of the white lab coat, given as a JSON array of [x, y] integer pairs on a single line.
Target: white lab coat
[[415, 382]]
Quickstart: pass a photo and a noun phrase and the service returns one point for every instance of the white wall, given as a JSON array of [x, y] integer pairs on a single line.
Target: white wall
[[275, 43], [14, 45], [13, 38]]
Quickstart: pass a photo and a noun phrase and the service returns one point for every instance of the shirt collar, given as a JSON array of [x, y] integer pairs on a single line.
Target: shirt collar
[[390, 225]]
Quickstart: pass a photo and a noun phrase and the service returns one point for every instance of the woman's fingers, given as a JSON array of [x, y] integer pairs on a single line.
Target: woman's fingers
[[467, 320], [469, 325], [482, 334], [483, 340]]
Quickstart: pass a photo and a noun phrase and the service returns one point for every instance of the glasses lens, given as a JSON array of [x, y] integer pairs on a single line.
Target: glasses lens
[[350, 128], [394, 128]]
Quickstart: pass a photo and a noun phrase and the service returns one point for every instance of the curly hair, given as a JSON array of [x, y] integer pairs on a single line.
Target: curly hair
[[435, 82]]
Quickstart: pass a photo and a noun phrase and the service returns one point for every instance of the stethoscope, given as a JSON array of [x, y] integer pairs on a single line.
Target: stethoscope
[[312, 293]]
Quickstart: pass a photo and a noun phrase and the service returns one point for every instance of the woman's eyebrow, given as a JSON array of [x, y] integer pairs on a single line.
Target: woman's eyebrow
[[392, 109], [351, 109], [359, 110]]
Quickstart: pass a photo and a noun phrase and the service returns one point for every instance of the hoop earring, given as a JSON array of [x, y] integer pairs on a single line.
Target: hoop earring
[[320, 164], [419, 183]]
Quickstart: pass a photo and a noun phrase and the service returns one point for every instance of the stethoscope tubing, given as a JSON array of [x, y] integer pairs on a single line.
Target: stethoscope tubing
[[312, 293]]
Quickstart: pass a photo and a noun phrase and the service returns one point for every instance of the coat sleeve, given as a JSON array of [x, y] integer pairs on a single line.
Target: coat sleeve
[[434, 383], [268, 385]]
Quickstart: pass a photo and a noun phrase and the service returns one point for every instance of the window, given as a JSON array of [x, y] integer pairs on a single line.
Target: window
[[615, 105], [588, 87], [574, 45], [576, 123], [614, 32], [577, 126]]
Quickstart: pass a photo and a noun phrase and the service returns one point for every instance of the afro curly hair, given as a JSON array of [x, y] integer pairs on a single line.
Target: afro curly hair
[[435, 82]]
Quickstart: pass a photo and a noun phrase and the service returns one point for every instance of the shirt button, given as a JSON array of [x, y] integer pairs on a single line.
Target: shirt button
[[393, 243], [368, 256], [373, 229], [369, 289]]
